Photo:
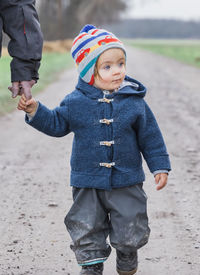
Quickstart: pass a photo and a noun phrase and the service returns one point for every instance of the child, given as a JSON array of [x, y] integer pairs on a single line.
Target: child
[[112, 126]]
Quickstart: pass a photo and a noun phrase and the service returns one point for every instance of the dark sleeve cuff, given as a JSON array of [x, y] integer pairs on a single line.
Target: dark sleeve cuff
[[22, 70]]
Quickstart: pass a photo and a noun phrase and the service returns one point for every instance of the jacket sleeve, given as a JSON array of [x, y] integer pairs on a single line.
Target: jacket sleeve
[[54, 122], [1, 28], [151, 142], [21, 24]]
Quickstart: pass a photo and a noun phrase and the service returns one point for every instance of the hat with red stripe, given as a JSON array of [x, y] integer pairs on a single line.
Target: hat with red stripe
[[88, 46]]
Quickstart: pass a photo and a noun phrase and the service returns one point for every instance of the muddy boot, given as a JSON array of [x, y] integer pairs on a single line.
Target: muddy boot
[[95, 269], [127, 263]]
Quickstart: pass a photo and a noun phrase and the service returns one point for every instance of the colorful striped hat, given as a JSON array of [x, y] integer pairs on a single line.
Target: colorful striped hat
[[87, 47]]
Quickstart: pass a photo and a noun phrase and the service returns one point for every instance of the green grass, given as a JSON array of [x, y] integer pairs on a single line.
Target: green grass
[[186, 51], [52, 64]]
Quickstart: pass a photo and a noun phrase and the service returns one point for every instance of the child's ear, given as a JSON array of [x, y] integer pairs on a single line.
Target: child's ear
[[95, 70]]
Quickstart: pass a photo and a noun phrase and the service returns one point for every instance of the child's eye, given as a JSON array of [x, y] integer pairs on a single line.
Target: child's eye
[[107, 67], [121, 64]]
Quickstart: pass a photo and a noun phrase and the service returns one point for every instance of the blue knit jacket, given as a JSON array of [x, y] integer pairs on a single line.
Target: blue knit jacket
[[111, 132]]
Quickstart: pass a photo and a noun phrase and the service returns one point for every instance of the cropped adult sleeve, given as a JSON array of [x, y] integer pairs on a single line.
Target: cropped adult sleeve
[[151, 142], [21, 24], [1, 28]]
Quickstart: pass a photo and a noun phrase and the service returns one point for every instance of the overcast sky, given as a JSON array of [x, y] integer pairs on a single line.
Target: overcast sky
[[175, 9]]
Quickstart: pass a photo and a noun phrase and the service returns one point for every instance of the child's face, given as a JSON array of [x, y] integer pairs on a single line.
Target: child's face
[[111, 69]]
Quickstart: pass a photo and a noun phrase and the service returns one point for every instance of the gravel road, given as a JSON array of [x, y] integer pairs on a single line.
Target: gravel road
[[34, 175]]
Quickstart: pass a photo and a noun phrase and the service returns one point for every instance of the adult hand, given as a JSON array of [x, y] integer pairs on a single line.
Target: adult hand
[[22, 87]]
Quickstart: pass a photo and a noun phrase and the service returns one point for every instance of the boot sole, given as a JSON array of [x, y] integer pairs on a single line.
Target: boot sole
[[120, 272]]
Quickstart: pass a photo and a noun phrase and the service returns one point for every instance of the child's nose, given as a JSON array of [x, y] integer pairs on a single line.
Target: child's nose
[[116, 70]]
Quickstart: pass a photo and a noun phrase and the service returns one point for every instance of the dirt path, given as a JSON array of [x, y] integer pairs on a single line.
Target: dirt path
[[34, 177]]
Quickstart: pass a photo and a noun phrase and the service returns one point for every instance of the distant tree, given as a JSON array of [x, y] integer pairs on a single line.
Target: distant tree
[[49, 18], [64, 18], [156, 28], [97, 11]]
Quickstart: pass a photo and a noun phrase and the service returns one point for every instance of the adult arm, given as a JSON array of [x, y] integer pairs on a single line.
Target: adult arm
[[21, 24], [1, 28]]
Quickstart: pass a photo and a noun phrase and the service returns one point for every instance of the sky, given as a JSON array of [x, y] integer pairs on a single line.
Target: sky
[[168, 9]]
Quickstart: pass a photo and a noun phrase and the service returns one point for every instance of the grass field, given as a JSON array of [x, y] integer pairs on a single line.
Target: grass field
[[52, 64], [186, 51]]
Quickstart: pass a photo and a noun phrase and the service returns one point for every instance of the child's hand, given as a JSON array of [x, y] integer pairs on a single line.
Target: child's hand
[[29, 106], [161, 180]]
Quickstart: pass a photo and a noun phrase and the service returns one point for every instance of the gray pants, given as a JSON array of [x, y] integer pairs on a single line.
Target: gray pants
[[95, 214]]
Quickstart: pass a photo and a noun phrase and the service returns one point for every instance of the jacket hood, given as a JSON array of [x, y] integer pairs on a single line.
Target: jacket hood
[[129, 86]]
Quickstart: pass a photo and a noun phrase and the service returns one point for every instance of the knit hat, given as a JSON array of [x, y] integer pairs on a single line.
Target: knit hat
[[88, 46]]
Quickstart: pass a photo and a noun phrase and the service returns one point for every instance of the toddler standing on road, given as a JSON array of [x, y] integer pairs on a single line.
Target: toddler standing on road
[[112, 126]]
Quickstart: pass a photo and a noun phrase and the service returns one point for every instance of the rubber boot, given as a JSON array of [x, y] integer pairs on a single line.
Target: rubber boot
[[127, 263], [95, 269]]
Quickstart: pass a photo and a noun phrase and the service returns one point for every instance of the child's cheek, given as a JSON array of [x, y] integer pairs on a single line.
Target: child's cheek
[[104, 76], [124, 71]]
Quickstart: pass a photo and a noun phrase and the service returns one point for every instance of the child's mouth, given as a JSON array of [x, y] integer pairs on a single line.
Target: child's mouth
[[116, 81]]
